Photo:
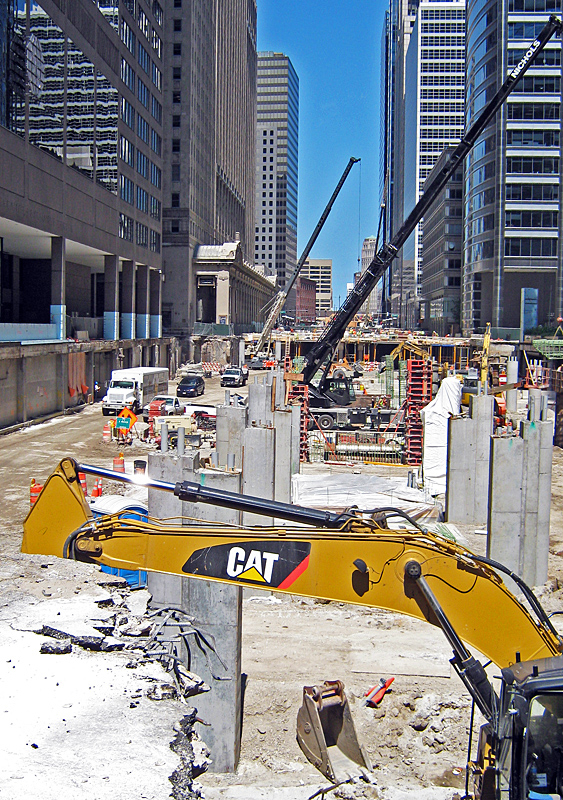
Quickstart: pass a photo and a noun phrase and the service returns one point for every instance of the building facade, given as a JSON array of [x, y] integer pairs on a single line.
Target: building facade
[[209, 142], [320, 271], [434, 108], [305, 301], [512, 212], [275, 232], [373, 304], [81, 154], [441, 255]]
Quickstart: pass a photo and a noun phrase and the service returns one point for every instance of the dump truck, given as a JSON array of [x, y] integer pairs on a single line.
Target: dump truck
[[352, 557]]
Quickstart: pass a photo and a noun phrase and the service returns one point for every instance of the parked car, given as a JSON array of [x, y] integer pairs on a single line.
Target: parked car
[[171, 405], [190, 386], [233, 376]]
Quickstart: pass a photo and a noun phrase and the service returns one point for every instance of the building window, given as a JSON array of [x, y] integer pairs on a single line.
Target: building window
[[156, 77], [177, 3], [156, 142], [127, 151], [144, 24], [144, 59], [176, 73], [156, 43], [177, 49], [142, 164], [177, 25], [127, 36], [143, 128], [530, 247], [142, 234], [175, 200], [154, 242], [127, 113], [175, 172], [176, 97], [157, 11], [142, 200], [175, 145], [155, 208], [176, 119], [125, 227], [156, 109], [143, 93], [127, 74], [126, 189], [156, 175], [174, 226]]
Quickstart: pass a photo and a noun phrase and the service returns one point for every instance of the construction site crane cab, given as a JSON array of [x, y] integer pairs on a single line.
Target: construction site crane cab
[[351, 557], [321, 353]]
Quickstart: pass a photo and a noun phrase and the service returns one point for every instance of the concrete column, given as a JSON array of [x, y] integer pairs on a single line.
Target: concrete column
[[467, 476], [512, 377], [520, 499], [258, 469], [260, 401], [241, 352], [217, 609], [155, 303], [278, 350], [231, 423], [128, 317], [111, 297], [283, 455], [21, 399], [58, 285], [142, 301]]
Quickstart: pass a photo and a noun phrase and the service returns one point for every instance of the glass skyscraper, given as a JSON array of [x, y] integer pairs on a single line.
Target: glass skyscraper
[[275, 242], [512, 219]]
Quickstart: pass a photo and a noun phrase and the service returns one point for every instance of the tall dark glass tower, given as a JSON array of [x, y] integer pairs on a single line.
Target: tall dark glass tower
[[276, 167]]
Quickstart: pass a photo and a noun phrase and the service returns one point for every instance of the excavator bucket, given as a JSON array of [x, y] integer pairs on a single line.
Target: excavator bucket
[[326, 733]]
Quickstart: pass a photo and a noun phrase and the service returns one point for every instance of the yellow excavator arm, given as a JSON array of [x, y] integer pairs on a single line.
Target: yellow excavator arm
[[358, 562]]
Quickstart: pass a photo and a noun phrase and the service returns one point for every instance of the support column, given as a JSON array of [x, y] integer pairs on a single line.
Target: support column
[[111, 297], [258, 469], [520, 499], [216, 609], [231, 424], [511, 378], [467, 476], [142, 301], [155, 304], [58, 285], [128, 321]]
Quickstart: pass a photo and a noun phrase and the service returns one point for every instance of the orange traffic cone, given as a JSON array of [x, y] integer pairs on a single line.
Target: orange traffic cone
[[83, 483]]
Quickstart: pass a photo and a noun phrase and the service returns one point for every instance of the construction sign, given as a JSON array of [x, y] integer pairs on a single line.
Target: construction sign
[[129, 416]]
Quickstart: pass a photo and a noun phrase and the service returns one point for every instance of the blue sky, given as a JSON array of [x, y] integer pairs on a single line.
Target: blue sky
[[335, 47]]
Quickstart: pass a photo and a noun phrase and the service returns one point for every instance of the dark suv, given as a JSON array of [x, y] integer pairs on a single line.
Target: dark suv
[[190, 386]]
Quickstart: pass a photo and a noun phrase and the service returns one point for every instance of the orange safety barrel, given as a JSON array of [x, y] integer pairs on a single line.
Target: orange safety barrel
[[34, 491], [119, 463], [106, 435]]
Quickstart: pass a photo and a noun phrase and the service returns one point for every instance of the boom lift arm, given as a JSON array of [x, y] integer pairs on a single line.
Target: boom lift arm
[[281, 297], [324, 348]]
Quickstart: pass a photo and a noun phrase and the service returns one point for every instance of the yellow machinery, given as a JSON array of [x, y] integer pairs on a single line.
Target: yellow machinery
[[353, 557]]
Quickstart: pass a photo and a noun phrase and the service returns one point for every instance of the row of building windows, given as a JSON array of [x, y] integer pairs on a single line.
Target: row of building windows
[[442, 94], [530, 247], [532, 111], [443, 55], [547, 58], [443, 41], [524, 30], [436, 107], [442, 27], [532, 219], [128, 112], [143, 58], [443, 13], [532, 138], [535, 5], [450, 67], [443, 80], [532, 191], [535, 165], [145, 167], [130, 231], [533, 84]]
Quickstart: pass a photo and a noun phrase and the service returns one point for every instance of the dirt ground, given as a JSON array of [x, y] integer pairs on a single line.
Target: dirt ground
[[417, 738]]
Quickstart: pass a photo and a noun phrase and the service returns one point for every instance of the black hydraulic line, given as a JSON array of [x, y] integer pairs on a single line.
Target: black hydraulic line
[[194, 492], [325, 346]]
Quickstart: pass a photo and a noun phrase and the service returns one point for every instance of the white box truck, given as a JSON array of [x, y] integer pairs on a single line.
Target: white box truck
[[133, 388]]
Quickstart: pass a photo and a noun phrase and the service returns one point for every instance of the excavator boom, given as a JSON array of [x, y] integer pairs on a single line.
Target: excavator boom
[[347, 558]]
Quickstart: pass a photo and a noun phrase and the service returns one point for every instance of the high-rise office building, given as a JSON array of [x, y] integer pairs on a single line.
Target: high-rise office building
[[512, 219], [209, 138], [434, 108], [81, 154], [320, 271], [275, 234]]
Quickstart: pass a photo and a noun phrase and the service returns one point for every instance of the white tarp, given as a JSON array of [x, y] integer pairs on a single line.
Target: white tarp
[[435, 417], [341, 491]]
